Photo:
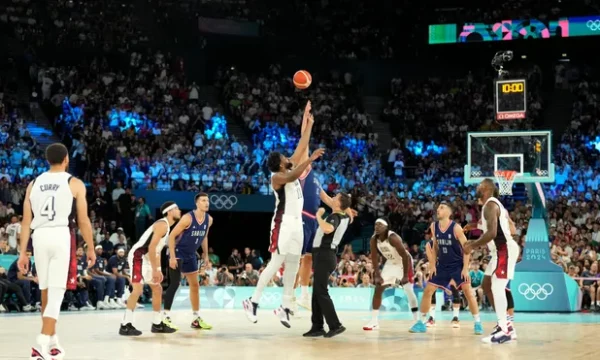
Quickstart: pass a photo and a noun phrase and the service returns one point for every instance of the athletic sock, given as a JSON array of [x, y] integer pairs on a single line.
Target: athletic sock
[[156, 318], [166, 313], [128, 318], [304, 291], [455, 311], [415, 314], [375, 315], [477, 318], [432, 312], [424, 317], [195, 314]]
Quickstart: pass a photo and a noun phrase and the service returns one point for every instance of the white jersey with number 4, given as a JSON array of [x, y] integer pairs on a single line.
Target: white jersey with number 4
[[503, 234], [52, 201]]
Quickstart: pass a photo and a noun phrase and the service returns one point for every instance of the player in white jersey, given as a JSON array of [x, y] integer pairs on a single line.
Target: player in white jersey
[[398, 267], [497, 229], [52, 202], [13, 230], [144, 262], [287, 233]]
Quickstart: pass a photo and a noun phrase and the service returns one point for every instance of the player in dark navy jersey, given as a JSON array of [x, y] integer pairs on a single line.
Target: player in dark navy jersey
[[449, 265], [187, 237], [117, 266], [313, 195]]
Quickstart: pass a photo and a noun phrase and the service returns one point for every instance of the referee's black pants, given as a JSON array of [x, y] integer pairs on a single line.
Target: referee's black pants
[[324, 263]]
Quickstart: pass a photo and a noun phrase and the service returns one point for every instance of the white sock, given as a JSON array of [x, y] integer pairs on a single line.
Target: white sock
[[375, 315], [166, 313], [128, 318], [477, 318], [455, 311], [156, 318], [44, 342], [196, 314], [432, 311], [53, 340], [106, 299], [424, 317], [304, 291]]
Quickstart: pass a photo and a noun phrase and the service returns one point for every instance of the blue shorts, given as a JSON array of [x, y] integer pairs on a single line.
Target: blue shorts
[[310, 227], [443, 276], [188, 262]]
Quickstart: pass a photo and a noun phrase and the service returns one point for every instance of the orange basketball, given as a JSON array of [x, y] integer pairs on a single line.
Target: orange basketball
[[302, 79]]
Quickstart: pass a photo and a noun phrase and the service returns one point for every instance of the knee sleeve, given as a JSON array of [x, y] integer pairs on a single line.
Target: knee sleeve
[[455, 295], [510, 300], [55, 299]]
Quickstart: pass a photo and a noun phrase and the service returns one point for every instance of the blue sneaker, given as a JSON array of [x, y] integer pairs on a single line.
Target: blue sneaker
[[419, 327], [478, 328]]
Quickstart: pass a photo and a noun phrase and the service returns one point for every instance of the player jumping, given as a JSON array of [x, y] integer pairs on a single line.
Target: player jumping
[[398, 267], [183, 259], [497, 228], [452, 268]]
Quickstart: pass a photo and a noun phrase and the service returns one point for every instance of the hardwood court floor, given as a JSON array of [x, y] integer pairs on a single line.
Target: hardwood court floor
[[93, 336]]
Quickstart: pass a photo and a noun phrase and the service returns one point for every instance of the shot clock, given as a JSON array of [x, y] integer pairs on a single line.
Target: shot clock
[[511, 99]]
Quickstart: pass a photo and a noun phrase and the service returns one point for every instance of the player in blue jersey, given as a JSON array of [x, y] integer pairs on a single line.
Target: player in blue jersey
[[190, 233], [452, 267], [313, 195]]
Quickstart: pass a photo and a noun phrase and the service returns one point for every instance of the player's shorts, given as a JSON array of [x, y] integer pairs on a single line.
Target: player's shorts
[[55, 260], [444, 276], [310, 226], [503, 261], [392, 273], [287, 235], [188, 264], [141, 269]]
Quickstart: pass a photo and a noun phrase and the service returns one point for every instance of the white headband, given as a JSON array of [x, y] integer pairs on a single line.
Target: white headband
[[169, 208], [382, 222]]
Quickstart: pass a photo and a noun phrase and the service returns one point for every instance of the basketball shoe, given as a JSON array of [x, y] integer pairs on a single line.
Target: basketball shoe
[[371, 325], [129, 330], [56, 351], [162, 328], [167, 320], [430, 322], [418, 327], [284, 316], [499, 338], [455, 322], [304, 301], [198, 323], [250, 310], [478, 328]]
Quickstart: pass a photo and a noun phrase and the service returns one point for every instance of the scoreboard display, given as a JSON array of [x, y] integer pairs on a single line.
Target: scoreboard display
[[511, 99]]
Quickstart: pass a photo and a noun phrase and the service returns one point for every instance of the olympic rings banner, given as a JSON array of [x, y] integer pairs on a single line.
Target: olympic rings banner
[[231, 297], [545, 291], [218, 201], [508, 30]]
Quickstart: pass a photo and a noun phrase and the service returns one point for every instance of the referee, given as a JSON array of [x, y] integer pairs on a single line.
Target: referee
[[329, 235]]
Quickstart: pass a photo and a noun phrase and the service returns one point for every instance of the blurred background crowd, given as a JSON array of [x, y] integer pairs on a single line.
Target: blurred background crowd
[[113, 81]]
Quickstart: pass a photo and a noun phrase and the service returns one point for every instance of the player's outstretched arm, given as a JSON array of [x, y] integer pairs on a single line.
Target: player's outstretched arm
[[25, 231], [396, 242], [83, 220], [491, 211], [282, 178], [305, 119], [302, 147], [184, 223]]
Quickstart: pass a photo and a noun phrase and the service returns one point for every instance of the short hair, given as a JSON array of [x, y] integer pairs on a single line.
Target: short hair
[[56, 153], [274, 161], [492, 186], [345, 201], [199, 195], [166, 205], [448, 204]]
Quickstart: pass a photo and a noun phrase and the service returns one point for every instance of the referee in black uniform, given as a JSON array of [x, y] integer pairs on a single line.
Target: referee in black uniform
[[329, 235]]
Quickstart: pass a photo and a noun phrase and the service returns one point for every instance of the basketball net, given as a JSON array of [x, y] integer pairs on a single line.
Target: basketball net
[[505, 179]]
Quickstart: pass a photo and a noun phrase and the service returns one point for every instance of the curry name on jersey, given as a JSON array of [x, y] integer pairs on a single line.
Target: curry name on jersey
[[52, 201]]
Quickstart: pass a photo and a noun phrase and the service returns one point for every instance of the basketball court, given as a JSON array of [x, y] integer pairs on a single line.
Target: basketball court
[[94, 336]]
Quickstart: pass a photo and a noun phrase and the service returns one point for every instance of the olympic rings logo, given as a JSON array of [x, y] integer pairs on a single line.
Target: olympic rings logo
[[223, 201], [536, 291], [593, 25]]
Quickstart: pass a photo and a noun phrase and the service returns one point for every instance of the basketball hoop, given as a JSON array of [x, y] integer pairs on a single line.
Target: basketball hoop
[[505, 179]]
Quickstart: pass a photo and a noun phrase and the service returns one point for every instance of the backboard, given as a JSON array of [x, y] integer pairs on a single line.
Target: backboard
[[529, 153]]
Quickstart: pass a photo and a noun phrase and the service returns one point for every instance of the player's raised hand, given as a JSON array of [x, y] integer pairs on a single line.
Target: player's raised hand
[[307, 109], [317, 154], [91, 257], [23, 263]]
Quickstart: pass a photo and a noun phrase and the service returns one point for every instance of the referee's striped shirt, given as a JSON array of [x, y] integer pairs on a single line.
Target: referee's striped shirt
[[340, 222]]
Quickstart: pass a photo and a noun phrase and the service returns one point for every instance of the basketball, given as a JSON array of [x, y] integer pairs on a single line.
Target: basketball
[[302, 79]]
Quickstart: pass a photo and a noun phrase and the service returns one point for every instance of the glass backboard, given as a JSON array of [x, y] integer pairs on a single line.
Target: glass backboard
[[529, 153]]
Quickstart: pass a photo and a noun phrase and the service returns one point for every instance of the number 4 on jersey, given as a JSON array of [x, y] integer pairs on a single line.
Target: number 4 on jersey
[[48, 208]]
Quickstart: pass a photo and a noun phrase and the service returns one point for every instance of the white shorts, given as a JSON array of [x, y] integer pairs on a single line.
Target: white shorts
[[53, 256], [503, 261], [287, 236], [392, 273], [141, 269]]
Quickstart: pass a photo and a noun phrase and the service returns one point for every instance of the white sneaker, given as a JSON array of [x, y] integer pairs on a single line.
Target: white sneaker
[[250, 310], [72, 307], [56, 351], [38, 306], [121, 303], [139, 306], [513, 335], [37, 353], [372, 325], [113, 305], [100, 305], [2, 309], [304, 302], [283, 315], [88, 306], [28, 308]]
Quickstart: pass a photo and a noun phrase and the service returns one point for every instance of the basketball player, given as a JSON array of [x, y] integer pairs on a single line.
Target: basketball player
[[452, 268], [432, 259], [14, 230], [144, 262], [398, 267], [51, 203], [496, 227], [286, 229], [192, 231], [313, 195]]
